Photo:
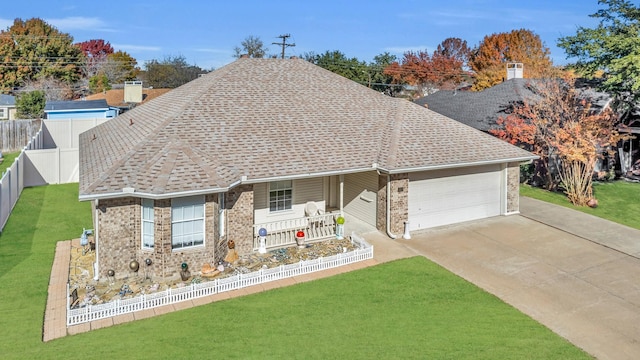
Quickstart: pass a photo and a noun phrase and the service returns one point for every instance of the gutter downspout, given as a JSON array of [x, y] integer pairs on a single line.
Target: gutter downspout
[[392, 236], [96, 265]]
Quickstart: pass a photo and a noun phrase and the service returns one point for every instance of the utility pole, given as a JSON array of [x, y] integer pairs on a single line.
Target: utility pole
[[284, 42]]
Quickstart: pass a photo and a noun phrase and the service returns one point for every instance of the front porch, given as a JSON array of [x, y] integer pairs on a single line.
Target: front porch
[[283, 233], [316, 228], [312, 205]]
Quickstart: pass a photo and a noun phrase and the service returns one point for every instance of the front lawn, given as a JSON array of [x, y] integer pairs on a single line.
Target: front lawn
[[7, 161], [406, 309], [618, 201]]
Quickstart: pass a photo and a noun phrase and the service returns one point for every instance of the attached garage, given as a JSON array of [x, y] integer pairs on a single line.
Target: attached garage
[[448, 196]]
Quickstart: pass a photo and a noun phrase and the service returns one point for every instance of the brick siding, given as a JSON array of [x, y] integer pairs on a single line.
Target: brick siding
[[119, 240], [240, 218], [513, 188], [399, 206]]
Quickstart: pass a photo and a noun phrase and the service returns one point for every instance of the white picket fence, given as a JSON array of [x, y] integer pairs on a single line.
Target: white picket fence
[[283, 233], [193, 291]]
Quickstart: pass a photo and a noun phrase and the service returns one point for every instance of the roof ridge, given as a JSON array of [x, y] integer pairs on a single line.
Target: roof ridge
[[395, 131]]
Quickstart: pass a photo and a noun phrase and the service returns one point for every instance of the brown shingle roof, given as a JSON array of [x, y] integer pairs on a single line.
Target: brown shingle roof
[[115, 97], [268, 118]]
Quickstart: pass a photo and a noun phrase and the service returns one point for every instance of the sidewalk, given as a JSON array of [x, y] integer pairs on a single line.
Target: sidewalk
[[604, 232]]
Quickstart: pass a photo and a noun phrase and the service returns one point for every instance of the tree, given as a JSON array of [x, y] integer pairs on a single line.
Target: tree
[[414, 69], [442, 70], [33, 50], [310, 56], [30, 105], [448, 62], [251, 46], [120, 67], [561, 128], [489, 59], [613, 47], [455, 49], [172, 72], [115, 68], [95, 48], [337, 62], [54, 89], [379, 80], [96, 52], [99, 83]]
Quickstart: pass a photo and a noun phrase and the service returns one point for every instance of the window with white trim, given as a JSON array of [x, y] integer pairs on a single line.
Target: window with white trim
[[187, 222], [3, 113], [280, 195], [147, 224]]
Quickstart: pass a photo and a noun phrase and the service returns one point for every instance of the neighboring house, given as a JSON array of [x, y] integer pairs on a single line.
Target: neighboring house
[[482, 109], [284, 145], [479, 109], [82, 109], [7, 107], [116, 97]]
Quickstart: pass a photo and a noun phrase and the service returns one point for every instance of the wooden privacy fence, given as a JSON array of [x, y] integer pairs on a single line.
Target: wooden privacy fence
[[15, 134]]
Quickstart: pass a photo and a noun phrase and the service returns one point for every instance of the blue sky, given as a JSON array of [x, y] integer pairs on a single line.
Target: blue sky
[[206, 32]]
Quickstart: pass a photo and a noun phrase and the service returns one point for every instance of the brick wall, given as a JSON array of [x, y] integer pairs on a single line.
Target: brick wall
[[120, 240], [118, 223], [399, 203], [240, 218], [513, 188]]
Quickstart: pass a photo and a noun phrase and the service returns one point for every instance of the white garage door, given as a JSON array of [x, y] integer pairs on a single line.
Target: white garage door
[[450, 196]]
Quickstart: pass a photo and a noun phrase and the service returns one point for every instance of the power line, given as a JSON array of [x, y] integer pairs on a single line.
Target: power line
[[284, 42]]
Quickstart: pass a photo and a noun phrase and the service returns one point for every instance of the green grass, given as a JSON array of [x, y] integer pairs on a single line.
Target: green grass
[[407, 309], [618, 201], [8, 161]]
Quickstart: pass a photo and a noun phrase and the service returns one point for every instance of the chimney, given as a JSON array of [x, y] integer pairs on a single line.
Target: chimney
[[244, 56], [133, 91], [515, 71]]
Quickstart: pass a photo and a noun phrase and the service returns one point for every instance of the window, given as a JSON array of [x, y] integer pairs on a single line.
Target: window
[[147, 224], [280, 195], [187, 222], [3, 114]]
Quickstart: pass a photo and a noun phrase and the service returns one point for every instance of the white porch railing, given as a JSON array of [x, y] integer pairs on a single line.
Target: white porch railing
[[283, 233], [171, 296]]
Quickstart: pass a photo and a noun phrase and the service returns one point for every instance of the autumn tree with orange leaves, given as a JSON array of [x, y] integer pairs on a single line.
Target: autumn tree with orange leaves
[[489, 59], [561, 127], [442, 70]]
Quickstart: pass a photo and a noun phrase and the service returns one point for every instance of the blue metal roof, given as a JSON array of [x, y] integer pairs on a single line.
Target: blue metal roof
[[7, 100], [51, 106]]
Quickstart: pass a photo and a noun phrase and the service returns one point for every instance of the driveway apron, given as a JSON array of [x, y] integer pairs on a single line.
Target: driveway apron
[[586, 290]]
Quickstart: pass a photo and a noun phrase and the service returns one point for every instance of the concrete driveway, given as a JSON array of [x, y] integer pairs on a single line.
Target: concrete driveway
[[576, 274]]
